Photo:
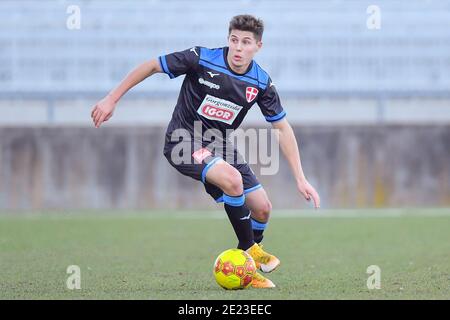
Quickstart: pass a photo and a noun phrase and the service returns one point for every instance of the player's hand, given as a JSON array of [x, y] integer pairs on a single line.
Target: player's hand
[[103, 110], [309, 192]]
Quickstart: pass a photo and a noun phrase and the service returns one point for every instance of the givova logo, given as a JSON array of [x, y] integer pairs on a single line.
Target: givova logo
[[208, 84]]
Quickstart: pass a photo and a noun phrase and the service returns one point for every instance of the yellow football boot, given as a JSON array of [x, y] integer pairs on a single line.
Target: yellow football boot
[[261, 282], [263, 260]]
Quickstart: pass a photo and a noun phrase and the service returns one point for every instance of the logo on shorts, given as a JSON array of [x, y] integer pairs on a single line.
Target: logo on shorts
[[219, 109], [201, 154], [251, 93]]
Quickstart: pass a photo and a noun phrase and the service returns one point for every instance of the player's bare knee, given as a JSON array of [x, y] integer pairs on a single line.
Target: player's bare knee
[[233, 184], [267, 209], [262, 212]]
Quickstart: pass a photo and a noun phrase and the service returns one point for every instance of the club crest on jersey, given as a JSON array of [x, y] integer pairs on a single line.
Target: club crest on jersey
[[251, 93]]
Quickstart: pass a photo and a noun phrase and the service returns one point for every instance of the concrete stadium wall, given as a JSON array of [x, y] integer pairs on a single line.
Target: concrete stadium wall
[[44, 168], [314, 109]]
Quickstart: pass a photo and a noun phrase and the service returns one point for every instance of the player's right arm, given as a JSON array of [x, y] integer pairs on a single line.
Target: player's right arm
[[104, 109]]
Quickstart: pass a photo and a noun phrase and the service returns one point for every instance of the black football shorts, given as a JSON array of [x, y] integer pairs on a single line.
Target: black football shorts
[[202, 158]]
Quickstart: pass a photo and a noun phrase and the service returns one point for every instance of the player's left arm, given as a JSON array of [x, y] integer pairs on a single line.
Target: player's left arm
[[289, 148]]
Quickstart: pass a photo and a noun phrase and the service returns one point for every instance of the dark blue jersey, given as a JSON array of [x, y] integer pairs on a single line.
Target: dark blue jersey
[[213, 94]]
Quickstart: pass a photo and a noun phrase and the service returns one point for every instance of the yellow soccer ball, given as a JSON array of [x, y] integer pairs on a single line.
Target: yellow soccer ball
[[234, 269]]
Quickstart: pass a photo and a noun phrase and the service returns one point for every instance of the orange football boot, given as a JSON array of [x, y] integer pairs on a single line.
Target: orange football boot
[[263, 260], [261, 282]]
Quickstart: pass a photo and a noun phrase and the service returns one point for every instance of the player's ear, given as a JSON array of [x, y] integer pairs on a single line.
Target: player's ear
[[259, 44]]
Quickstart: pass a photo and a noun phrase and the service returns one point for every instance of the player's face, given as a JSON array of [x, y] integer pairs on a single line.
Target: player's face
[[242, 48]]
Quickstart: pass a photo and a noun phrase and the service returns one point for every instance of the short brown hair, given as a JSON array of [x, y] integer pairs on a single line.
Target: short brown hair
[[246, 22]]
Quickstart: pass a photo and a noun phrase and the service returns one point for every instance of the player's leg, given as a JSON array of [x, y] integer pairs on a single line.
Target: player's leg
[[259, 204], [229, 180], [260, 207]]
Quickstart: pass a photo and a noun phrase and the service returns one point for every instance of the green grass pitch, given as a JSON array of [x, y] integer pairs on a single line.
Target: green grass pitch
[[170, 255]]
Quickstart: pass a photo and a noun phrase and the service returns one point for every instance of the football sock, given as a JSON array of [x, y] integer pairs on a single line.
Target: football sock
[[258, 230], [239, 216]]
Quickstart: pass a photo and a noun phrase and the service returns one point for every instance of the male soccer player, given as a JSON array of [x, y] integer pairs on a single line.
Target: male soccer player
[[219, 88]]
